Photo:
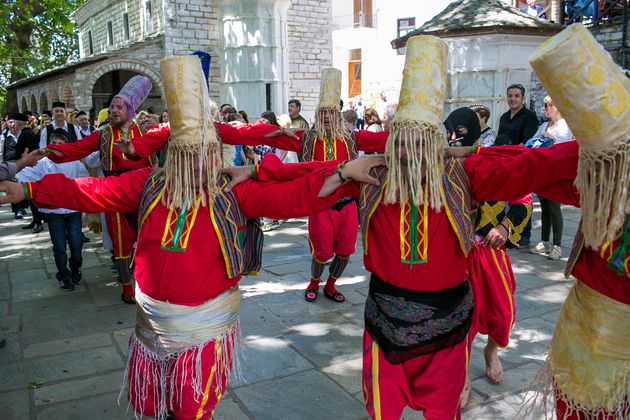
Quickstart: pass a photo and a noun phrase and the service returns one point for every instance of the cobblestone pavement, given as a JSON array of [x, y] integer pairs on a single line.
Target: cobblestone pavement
[[65, 352]]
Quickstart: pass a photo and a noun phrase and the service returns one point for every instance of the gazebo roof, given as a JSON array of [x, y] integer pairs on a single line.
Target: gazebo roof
[[476, 17]]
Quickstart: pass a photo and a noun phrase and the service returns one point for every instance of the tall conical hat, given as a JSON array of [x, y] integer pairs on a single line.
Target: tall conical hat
[[329, 103], [416, 126], [193, 150], [593, 95], [134, 92]]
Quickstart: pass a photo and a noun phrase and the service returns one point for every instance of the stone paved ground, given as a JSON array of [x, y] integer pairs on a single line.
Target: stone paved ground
[[65, 352]]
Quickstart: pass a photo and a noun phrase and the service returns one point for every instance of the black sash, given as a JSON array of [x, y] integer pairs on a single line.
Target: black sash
[[407, 324]]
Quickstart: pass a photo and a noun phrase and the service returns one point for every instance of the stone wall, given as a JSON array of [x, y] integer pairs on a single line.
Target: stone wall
[[193, 25], [611, 36], [94, 16], [310, 49]]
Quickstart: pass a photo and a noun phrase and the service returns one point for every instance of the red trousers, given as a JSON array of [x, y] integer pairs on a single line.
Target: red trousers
[[493, 285], [431, 383], [122, 233], [185, 406], [333, 232]]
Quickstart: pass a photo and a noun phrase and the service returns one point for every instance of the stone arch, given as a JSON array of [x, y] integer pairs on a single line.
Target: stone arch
[[23, 104], [33, 103], [54, 96], [124, 68], [43, 102], [67, 96]]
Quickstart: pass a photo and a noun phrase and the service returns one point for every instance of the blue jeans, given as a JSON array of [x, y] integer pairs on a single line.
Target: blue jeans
[[66, 228]]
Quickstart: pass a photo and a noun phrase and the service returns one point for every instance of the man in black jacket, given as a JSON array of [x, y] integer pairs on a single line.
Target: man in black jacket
[[518, 124]]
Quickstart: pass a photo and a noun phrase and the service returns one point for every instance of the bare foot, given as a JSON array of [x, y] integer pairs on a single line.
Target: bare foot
[[494, 369], [463, 398]]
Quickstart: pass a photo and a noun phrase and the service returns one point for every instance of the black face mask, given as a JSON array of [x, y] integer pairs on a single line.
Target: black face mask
[[465, 124]]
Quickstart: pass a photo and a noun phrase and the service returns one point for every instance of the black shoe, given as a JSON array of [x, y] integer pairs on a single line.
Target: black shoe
[[38, 228], [77, 276], [29, 226], [18, 216], [22, 212], [85, 239], [67, 286]]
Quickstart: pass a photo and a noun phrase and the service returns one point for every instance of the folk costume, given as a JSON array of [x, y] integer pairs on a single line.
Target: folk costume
[[186, 339], [121, 227], [588, 367]]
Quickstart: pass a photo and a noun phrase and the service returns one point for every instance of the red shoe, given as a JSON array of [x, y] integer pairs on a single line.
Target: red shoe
[[128, 299]]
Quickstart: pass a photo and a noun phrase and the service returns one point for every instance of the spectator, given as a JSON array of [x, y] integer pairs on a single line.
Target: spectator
[[260, 152], [372, 120], [557, 131], [28, 141], [488, 135], [350, 119], [518, 124], [140, 117], [84, 124], [244, 115], [16, 123], [360, 110], [388, 115], [164, 116], [59, 121], [64, 225], [224, 110], [297, 121], [532, 9]]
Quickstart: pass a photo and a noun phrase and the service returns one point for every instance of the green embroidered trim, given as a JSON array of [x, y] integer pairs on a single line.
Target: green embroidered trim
[[26, 196], [617, 259], [329, 148], [414, 258]]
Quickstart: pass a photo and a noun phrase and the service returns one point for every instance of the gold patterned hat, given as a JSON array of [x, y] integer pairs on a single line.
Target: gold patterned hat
[[329, 105], [415, 128], [593, 94], [193, 156]]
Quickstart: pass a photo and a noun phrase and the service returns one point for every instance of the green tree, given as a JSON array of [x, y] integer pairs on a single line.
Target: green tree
[[35, 36]]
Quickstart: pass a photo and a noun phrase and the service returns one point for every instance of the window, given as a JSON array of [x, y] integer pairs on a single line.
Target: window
[[363, 17], [405, 25], [148, 16], [268, 95], [110, 33], [90, 45], [126, 25], [354, 73]]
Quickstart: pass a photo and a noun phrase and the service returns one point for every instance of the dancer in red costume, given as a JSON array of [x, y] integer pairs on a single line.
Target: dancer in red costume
[[186, 338]]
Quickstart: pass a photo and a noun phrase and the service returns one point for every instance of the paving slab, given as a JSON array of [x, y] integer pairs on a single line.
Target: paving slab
[[15, 404], [78, 389], [228, 409], [513, 380], [347, 374], [104, 407], [267, 358], [328, 344], [36, 372], [67, 345], [305, 395]]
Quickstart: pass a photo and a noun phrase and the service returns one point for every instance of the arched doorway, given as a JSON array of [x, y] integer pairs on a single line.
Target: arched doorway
[[23, 104], [33, 107], [110, 83], [43, 102]]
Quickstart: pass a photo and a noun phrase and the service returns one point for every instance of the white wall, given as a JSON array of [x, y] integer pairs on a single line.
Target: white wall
[[381, 66]]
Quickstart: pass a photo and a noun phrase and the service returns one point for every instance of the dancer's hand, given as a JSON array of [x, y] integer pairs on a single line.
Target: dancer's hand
[[457, 152], [238, 175], [291, 132], [496, 237], [14, 192], [359, 169], [126, 147]]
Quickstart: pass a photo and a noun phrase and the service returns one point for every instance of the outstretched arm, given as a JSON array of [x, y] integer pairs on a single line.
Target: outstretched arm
[[305, 195], [370, 141], [90, 195], [510, 172], [260, 133], [70, 152]]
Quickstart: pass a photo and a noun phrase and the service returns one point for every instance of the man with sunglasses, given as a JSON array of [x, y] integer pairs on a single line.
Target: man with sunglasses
[[518, 124]]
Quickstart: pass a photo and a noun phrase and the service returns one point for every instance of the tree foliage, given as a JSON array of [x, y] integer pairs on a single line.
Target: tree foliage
[[35, 36]]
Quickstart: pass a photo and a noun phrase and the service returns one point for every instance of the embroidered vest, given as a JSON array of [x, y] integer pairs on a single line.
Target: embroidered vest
[[458, 202], [307, 151], [106, 137], [240, 239], [614, 253]]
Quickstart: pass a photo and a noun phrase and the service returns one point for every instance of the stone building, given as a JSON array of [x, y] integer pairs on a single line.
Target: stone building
[[489, 46], [264, 52]]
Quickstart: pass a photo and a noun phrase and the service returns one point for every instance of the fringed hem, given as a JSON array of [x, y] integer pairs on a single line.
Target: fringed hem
[[603, 178], [167, 394], [546, 392], [336, 122], [421, 180]]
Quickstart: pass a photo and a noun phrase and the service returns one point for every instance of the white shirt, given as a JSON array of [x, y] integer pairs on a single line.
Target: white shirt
[[53, 126], [560, 132], [46, 166]]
